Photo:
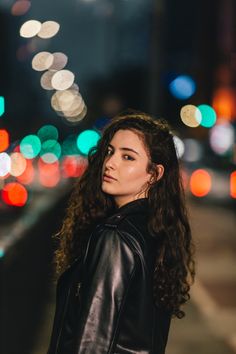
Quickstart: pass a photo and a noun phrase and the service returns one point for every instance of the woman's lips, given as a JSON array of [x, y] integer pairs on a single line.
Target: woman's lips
[[108, 178]]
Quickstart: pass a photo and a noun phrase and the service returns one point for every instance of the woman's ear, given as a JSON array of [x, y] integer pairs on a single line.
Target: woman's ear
[[160, 171], [158, 174]]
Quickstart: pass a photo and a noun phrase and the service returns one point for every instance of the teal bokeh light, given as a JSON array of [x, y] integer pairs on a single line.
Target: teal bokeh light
[[1, 252], [51, 147], [208, 116], [86, 140], [69, 146], [47, 132], [30, 146], [2, 105]]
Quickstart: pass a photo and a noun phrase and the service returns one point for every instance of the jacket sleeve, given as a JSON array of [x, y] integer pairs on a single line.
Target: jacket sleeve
[[109, 268]]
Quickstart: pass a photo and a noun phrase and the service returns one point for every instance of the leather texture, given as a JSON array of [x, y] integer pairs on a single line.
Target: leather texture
[[104, 302]]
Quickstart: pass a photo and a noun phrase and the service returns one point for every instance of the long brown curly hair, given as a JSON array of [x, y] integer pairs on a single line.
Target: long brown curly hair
[[168, 219]]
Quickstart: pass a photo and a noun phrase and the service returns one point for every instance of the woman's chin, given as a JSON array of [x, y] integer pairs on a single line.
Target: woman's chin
[[106, 189]]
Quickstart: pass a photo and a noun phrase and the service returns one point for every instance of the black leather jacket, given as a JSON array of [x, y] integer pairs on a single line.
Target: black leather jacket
[[105, 301]]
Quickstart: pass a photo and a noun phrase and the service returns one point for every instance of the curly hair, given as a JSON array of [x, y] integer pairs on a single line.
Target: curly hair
[[168, 223]]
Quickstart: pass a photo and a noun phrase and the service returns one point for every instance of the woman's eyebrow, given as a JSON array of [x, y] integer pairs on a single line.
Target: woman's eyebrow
[[125, 148]]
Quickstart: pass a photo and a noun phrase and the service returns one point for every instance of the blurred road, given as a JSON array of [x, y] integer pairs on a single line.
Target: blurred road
[[209, 326]]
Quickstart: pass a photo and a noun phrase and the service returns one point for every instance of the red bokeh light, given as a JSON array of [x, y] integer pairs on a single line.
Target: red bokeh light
[[49, 174], [14, 194], [28, 175], [73, 166]]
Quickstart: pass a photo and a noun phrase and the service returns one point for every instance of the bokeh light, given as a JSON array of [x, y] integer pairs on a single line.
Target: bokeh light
[[222, 137], [30, 146], [193, 150], [86, 140], [47, 132], [46, 80], [69, 145], [73, 166], [49, 174], [208, 116], [182, 87], [224, 103], [4, 140], [200, 183], [18, 164], [233, 184], [20, 7], [62, 79], [42, 61], [30, 28], [2, 105], [59, 61], [48, 29], [179, 146], [190, 115], [5, 164], [14, 194], [27, 177], [77, 114], [66, 100], [50, 151]]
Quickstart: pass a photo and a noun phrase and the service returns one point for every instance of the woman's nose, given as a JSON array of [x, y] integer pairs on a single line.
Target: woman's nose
[[111, 161]]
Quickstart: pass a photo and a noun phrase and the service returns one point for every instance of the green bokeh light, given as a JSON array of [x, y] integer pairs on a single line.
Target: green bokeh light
[[208, 116], [30, 146], [47, 132], [86, 140], [50, 148]]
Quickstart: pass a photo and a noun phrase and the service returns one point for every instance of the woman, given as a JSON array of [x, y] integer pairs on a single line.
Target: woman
[[125, 246]]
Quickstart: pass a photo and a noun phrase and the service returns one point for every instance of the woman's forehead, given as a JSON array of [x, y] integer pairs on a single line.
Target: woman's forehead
[[125, 138]]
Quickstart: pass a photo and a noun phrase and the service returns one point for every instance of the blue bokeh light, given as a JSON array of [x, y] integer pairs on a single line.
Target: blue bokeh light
[[182, 87]]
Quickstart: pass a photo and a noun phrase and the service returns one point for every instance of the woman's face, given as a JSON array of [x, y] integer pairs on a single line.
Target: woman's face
[[126, 161]]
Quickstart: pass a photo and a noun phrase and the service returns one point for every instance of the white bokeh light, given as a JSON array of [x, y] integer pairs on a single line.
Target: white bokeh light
[[222, 137], [179, 145], [5, 164]]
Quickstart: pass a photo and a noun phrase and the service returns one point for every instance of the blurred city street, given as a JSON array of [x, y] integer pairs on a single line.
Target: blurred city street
[[67, 69]]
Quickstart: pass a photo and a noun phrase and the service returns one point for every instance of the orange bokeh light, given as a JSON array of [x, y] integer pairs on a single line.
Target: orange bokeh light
[[233, 184], [224, 103], [200, 183], [4, 140], [14, 194]]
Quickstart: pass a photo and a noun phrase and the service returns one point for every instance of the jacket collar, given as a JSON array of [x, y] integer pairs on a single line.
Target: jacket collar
[[138, 205]]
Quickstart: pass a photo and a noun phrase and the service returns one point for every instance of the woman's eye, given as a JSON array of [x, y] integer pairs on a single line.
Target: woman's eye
[[108, 152], [126, 157], [129, 157]]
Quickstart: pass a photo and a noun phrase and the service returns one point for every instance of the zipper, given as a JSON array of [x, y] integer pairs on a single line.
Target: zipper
[[63, 317], [78, 289]]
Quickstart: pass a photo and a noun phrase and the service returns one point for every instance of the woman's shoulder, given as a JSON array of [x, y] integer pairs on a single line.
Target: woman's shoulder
[[130, 228]]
